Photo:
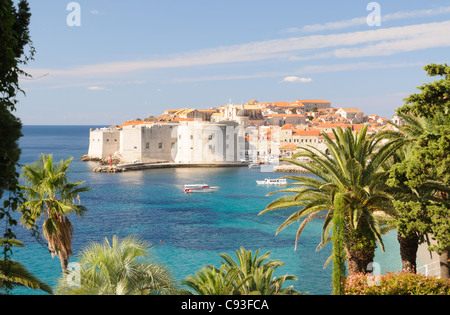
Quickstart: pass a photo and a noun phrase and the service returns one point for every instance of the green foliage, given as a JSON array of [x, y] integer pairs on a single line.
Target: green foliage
[[14, 37], [403, 283], [434, 97], [421, 179], [13, 274], [338, 237], [120, 267], [248, 275], [51, 195], [355, 169]]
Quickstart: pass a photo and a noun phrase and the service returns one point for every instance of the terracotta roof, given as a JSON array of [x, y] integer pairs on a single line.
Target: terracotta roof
[[314, 101], [351, 110], [289, 147], [288, 126], [306, 133], [133, 123]]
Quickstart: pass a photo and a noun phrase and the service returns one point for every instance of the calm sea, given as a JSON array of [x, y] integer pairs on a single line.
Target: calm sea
[[187, 232]]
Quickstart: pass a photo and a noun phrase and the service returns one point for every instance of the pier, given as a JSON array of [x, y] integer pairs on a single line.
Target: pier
[[121, 168]]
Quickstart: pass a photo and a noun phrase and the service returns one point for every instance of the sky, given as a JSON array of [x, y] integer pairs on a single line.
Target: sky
[[102, 62]]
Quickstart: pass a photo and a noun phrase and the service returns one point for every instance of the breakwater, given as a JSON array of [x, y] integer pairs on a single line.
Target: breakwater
[[290, 168], [120, 168]]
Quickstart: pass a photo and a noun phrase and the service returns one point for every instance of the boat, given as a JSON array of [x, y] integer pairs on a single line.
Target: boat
[[254, 165], [199, 188], [272, 181]]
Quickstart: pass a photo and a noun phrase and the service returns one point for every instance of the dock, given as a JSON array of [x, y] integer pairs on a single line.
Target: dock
[[121, 168]]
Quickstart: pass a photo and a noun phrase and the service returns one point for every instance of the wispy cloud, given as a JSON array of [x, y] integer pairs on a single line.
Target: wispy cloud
[[306, 70], [377, 42], [360, 21], [98, 88], [295, 79]]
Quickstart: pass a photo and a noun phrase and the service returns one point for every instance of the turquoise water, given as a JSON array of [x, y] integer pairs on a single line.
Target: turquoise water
[[187, 231]]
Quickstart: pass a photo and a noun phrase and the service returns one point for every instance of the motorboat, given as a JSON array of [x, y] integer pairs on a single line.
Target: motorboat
[[272, 181], [199, 188]]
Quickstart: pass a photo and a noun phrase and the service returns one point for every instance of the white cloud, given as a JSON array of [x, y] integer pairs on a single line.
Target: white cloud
[[94, 11], [97, 88], [294, 79], [375, 42], [312, 69], [360, 21]]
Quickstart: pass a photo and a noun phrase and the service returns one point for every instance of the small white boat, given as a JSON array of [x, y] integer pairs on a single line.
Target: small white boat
[[254, 165], [270, 181], [199, 188]]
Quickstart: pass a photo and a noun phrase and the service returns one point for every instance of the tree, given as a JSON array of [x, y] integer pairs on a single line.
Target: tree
[[257, 273], [248, 275], [412, 221], [354, 169], [120, 267], [424, 173], [213, 281], [51, 195], [337, 238], [14, 42], [434, 97]]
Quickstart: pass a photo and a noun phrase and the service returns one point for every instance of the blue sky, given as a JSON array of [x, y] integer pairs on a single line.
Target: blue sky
[[137, 58]]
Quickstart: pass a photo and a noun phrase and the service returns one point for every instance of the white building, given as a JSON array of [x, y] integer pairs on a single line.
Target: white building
[[354, 114], [148, 143], [208, 143], [104, 142], [189, 142]]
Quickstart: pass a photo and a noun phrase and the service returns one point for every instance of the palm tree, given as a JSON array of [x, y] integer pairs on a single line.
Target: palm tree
[[258, 274], [51, 195], [120, 267], [248, 275], [13, 274], [213, 281], [354, 169]]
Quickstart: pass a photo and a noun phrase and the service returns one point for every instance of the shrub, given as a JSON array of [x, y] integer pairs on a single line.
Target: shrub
[[400, 283]]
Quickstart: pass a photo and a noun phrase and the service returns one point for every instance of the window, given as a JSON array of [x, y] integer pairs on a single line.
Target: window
[[160, 145], [147, 145]]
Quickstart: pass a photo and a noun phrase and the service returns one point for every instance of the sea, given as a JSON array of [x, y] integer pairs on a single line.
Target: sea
[[187, 231]]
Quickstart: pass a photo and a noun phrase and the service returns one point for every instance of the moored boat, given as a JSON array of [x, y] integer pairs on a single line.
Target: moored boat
[[272, 181], [199, 188]]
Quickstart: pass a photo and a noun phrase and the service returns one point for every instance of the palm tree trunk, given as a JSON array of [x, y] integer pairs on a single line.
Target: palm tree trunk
[[359, 260], [360, 250], [408, 251], [64, 266]]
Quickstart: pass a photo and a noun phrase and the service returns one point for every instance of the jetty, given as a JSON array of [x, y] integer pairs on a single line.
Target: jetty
[[121, 168], [290, 168]]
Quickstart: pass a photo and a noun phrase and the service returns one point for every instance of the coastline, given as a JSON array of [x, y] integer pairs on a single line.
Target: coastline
[[121, 168]]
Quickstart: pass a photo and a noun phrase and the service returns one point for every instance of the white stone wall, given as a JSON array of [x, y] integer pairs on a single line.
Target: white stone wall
[[103, 143], [205, 143]]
